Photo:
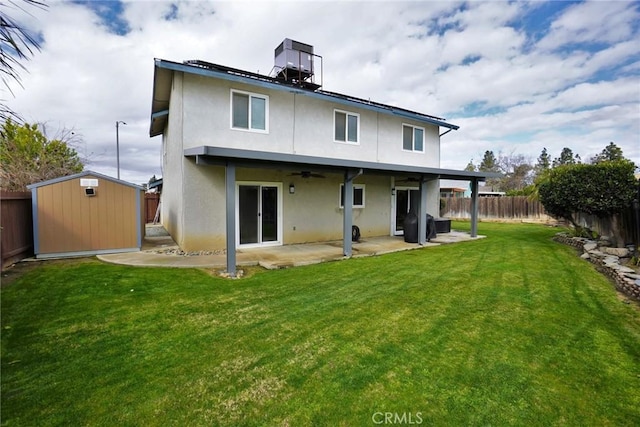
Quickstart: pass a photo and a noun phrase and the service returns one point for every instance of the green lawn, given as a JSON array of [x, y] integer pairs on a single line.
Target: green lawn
[[510, 330]]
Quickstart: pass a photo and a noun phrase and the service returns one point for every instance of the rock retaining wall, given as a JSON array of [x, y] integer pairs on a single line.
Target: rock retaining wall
[[626, 280]]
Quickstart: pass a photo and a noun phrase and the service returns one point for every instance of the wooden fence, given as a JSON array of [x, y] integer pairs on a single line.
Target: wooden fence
[[16, 227], [510, 208], [151, 201], [623, 228]]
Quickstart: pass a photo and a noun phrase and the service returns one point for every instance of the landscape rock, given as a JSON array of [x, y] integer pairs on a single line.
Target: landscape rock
[[619, 252], [612, 262], [604, 242], [590, 246]]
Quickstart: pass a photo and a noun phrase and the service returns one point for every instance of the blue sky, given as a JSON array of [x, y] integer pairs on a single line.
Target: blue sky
[[515, 76]]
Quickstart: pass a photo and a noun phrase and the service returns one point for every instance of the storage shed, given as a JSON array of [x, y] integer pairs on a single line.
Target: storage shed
[[86, 214]]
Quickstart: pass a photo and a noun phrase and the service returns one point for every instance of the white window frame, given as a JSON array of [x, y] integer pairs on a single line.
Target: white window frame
[[346, 127], [250, 95], [355, 186], [413, 141], [260, 184]]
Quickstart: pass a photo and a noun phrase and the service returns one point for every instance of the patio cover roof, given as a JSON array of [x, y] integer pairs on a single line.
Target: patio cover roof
[[208, 155], [231, 158]]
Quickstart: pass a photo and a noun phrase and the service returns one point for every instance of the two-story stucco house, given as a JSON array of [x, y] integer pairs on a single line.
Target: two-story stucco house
[[251, 160]]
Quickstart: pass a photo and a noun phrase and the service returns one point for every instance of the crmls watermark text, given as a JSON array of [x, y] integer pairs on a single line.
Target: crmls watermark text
[[406, 418]]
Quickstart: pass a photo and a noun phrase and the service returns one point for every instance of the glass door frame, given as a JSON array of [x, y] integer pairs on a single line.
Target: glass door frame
[[397, 189], [260, 243]]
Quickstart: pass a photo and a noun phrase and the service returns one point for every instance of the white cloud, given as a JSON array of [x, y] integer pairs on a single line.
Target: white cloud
[[469, 61], [594, 21]]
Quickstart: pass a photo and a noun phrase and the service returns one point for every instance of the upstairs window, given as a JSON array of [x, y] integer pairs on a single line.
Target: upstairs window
[[346, 127], [358, 195], [412, 138], [249, 111]]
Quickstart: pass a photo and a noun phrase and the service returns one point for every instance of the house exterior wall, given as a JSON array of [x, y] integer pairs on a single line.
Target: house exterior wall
[[193, 197], [204, 207], [311, 214], [70, 221], [172, 162], [314, 214], [298, 124]]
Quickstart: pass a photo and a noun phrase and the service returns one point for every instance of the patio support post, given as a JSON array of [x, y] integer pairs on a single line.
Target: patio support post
[[422, 213], [474, 208], [347, 211], [230, 180]]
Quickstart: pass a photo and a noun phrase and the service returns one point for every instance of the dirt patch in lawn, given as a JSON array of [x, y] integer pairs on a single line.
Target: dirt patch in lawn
[[17, 270]]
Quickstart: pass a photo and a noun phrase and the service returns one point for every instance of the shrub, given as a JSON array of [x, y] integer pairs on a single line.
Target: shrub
[[601, 189]]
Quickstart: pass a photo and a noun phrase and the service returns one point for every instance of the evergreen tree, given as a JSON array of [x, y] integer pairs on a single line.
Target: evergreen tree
[[544, 160], [27, 157], [610, 153], [489, 162], [566, 158], [543, 165]]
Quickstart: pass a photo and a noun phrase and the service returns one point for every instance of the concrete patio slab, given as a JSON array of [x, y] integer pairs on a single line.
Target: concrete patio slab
[[162, 251]]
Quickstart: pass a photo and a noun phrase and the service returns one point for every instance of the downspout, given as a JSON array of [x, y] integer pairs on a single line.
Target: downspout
[[439, 157]]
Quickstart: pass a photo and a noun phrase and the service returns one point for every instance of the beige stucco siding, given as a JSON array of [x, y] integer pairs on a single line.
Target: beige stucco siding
[[298, 124], [311, 214], [207, 116], [193, 198], [70, 221], [172, 162], [204, 207]]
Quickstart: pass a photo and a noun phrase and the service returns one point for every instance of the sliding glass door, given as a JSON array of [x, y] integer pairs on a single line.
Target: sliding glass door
[[259, 216], [406, 198]]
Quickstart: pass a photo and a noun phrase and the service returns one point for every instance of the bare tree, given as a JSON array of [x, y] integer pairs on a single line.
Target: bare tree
[[517, 170]]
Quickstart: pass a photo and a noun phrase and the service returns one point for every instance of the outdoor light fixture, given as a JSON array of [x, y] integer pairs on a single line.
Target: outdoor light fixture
[[292, 189], [118, 145]]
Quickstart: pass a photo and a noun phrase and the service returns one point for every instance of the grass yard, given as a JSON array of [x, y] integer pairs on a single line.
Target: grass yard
[[510, 330]]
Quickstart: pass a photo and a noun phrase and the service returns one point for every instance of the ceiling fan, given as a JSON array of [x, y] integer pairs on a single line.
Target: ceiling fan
[[410, 179], [307, 174]]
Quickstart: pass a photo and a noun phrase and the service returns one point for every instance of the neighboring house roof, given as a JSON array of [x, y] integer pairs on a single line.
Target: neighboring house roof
[[156, 183], [250, 158], [492, 193], [162, 79], [80, 175]]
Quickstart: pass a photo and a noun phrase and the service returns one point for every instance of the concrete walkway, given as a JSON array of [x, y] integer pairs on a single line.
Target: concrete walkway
[[161, 252]]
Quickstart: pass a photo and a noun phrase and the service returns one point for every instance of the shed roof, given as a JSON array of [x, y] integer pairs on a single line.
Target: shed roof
[[163, 73], [81, 175]]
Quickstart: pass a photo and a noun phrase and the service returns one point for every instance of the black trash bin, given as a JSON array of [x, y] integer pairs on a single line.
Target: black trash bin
[[431, 228], [410, 226]]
